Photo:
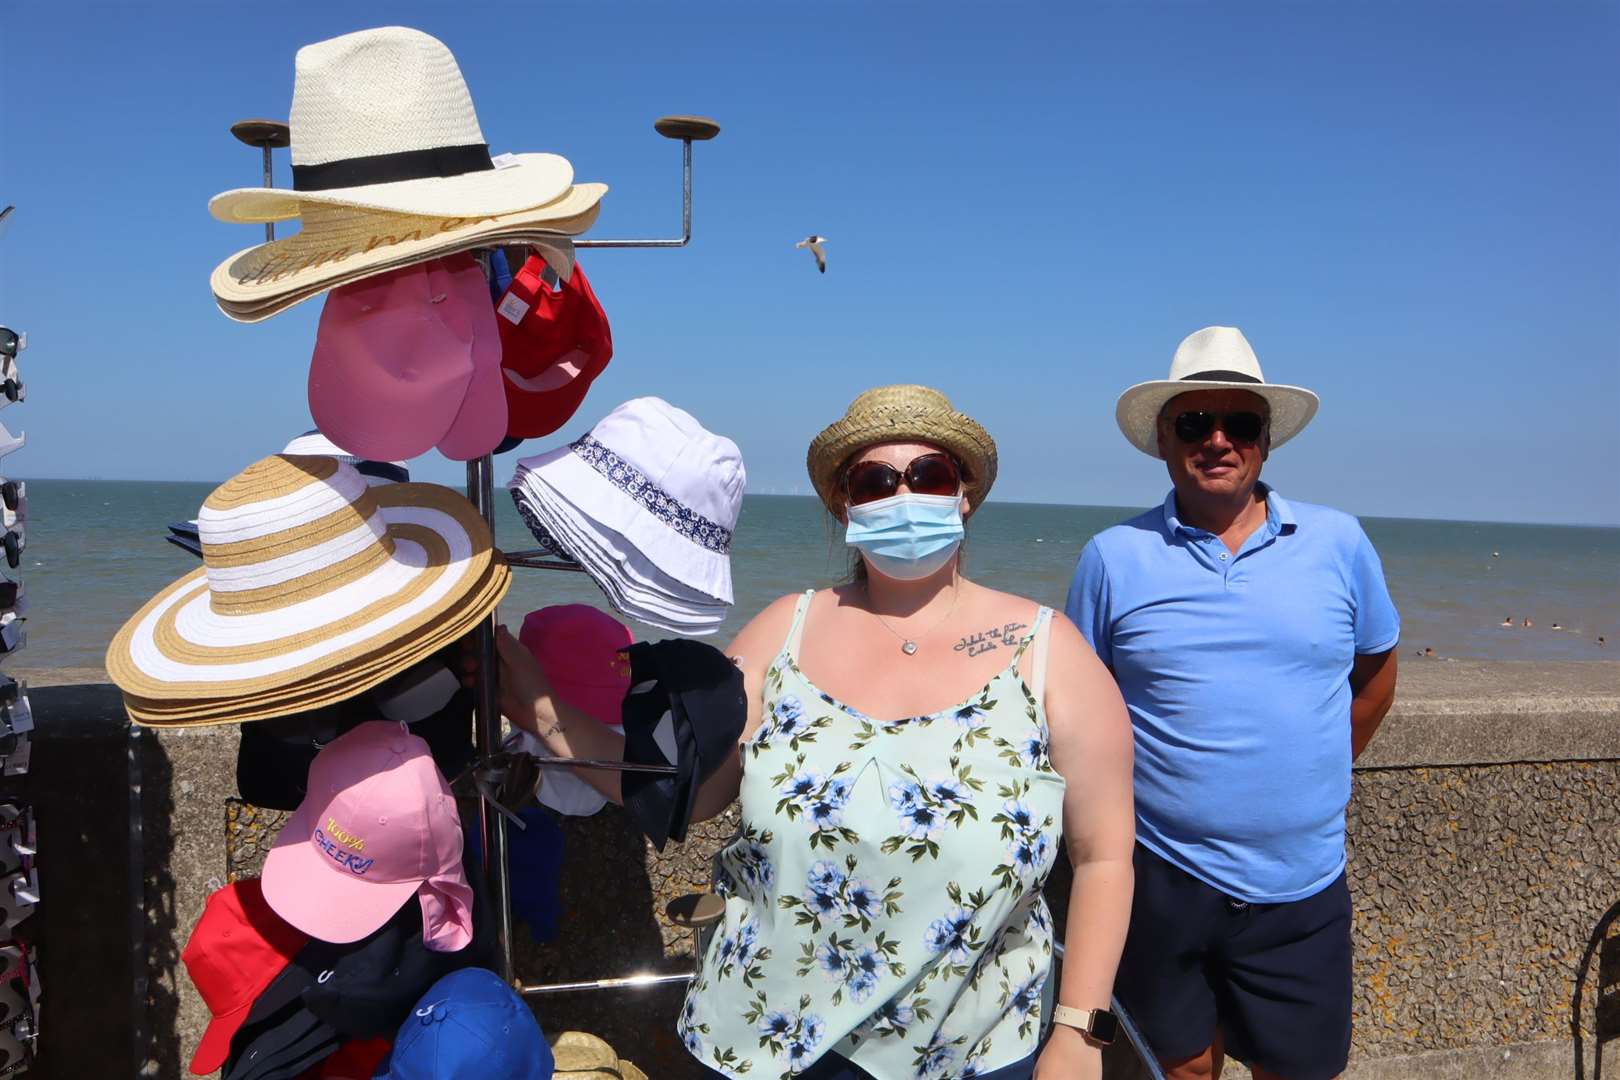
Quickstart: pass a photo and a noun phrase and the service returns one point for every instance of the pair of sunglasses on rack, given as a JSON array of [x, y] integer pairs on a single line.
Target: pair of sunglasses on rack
[[1196, 426], [930, 474]]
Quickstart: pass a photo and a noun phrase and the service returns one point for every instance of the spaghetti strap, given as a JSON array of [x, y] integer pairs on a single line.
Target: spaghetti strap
[[1041, 615], [1037, 661], [796, 632]]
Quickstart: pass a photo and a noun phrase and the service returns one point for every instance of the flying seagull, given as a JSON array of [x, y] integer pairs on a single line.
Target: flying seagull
[[814, 242]]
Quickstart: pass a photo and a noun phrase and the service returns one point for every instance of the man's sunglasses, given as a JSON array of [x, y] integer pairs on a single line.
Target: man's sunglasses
[[930, 474], [1195, 427]]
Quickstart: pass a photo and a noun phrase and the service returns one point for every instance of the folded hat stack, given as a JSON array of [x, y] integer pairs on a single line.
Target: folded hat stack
[[646, 505], [390, 168]]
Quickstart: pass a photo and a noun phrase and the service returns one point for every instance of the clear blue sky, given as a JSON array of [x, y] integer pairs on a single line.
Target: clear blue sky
[[1411, 208]]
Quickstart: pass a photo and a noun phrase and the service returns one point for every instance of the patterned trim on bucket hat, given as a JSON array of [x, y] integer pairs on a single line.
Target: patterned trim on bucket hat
[[640, 487]]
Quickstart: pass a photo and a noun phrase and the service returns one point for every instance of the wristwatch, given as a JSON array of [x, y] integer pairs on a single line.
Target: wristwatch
[[1099, 1025]]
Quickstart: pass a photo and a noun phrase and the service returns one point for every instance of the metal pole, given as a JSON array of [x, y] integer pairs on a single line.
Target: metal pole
[[487, 731], [269, 181]]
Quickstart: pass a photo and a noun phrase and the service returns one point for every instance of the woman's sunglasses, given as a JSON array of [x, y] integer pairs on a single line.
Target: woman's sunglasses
[[930, 474], [1195, 427]]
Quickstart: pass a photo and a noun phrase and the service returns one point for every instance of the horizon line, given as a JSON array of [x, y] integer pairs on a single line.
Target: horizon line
[[1005, 502]]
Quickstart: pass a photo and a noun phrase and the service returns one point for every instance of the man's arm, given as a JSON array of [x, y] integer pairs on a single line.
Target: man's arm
[[1372, 692]]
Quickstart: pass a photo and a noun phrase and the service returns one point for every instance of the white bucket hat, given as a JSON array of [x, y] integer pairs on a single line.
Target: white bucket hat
[[1214, 358], [652, 474], [382, 119]]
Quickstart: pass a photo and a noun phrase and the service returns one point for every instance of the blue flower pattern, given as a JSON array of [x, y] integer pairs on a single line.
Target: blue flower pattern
[[883, 891]]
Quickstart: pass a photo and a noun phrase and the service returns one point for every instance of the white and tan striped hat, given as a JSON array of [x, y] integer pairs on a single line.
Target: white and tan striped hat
[[314, 587]]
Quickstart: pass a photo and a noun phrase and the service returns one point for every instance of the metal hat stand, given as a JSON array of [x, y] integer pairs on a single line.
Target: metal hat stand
[[694, 912]]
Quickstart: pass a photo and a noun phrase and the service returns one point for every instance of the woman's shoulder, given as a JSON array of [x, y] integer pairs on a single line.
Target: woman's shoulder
[[1015, 607], [770, 626]]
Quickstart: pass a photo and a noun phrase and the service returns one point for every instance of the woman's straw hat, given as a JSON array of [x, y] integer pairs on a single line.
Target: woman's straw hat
[[314, 587], [904, 413]]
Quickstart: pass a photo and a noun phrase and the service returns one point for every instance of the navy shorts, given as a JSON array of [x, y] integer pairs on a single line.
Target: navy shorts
[[1274, 978]]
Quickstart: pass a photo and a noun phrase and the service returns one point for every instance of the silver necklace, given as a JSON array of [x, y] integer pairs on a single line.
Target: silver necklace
[[907, 645]]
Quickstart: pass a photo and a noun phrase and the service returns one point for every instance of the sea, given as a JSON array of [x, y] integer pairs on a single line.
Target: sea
[[95, 552]]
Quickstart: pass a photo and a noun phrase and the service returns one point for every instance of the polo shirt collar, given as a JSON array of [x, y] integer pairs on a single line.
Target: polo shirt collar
[[1279, 515]]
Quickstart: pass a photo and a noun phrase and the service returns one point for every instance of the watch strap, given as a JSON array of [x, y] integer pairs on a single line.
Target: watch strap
[[1086, 1021]]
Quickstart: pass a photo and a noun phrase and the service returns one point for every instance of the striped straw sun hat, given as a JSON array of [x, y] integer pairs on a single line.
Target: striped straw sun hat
[[314, 587]]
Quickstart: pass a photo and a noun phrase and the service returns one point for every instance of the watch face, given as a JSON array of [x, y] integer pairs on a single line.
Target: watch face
[[1104, 1026]]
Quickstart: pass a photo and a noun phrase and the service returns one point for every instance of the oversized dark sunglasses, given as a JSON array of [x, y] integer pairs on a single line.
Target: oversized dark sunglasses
[[1243, 427], [930, 474]]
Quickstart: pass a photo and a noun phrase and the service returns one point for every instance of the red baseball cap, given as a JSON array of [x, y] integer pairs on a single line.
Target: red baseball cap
[[236, 950], [554, 342]]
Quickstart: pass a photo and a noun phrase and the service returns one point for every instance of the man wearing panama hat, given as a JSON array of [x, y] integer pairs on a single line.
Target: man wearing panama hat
[[1253, 641]]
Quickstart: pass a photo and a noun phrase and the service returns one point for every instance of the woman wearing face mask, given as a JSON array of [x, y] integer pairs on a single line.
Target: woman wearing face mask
[[917, 747]]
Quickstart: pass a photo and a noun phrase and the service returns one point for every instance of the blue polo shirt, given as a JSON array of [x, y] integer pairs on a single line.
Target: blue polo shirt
[[1236, 672]]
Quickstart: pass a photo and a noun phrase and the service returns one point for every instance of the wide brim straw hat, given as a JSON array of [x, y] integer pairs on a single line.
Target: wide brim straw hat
[[381, 119], [314, 588], [1214, 358], [903, 413], [339, 246]]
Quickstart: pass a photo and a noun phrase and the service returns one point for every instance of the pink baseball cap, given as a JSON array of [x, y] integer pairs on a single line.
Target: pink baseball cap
[[578, 647], [395, 358], [480, 425], [378, 825]]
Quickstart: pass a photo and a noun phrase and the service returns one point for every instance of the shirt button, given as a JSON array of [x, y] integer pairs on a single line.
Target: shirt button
[[1223, 556]]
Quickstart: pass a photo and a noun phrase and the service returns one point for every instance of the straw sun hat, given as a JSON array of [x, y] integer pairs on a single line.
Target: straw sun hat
[[314, 587], [390, 168], [382, 119], [903, 413]]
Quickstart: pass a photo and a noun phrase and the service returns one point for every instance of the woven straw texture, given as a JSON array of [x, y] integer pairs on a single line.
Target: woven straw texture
[[903, 413], [339, 246], [314, 587], [388, 91]]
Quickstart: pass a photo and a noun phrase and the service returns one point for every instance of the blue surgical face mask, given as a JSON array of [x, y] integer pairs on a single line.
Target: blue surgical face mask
[[907, 537]]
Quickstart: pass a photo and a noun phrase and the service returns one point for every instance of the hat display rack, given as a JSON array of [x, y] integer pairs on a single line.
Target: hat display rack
[[691, 912]]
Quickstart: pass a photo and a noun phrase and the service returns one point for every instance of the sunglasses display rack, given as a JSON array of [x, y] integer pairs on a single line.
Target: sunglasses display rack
[[19, 962], [16, 719]]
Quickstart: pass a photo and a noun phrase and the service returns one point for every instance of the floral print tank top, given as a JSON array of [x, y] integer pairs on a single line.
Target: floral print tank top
[[883, 893]]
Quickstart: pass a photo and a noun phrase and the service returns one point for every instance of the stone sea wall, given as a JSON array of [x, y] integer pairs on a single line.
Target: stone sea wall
[[1484, 838]]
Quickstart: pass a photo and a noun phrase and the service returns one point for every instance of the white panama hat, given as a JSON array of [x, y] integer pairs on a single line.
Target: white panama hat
[[382, 119], [1214, 358]]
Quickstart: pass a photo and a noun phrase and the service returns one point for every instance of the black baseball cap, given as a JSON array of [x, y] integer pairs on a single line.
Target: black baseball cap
[[686, 707]]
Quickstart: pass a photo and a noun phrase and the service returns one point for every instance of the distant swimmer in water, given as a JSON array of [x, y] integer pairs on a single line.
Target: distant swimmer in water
[[1496, 554], [1507, 623], [1527, 623], [1555, 626], [1601, 641], [1430, 654]]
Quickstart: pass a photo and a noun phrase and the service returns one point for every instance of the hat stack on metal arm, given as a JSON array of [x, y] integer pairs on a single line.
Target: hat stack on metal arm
[[336, 597]]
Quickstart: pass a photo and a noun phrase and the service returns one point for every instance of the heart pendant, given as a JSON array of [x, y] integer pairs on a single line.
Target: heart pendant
[[909, 648]]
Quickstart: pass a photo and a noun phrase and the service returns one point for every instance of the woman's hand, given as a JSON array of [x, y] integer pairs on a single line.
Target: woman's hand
[[1068, 1056], [525, 690]]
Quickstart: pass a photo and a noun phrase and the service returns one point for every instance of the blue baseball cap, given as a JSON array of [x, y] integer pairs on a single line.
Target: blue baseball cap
[[470, 1024]]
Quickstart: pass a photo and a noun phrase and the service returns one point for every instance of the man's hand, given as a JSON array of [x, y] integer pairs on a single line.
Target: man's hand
[[1068, 1056]]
